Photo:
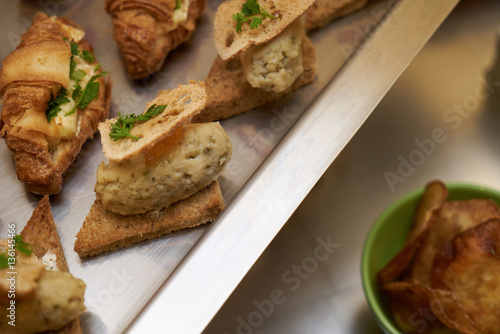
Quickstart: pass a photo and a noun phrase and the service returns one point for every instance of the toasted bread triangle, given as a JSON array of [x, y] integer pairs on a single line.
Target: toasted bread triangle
[[183, 103], [104, 231], [41, 233], [229, 43]]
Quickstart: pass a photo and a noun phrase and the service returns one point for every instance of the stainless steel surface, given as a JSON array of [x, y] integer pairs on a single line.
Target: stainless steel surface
[[448, 74], [120, 284], [224, 254]]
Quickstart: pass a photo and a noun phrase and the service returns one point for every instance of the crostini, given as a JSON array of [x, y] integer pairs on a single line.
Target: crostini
[[161, 176], [264, 54]]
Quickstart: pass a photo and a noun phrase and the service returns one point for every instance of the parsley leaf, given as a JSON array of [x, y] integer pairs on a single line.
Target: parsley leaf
[[255, 22], [4, 262], [78, 75], [251, 7], [178, 4], [77, 91], [121, 128], [74, 48], [21, 245], [88, 94], [87, 56], [54, 104], [253, 12], [84, 54], [72, 65]]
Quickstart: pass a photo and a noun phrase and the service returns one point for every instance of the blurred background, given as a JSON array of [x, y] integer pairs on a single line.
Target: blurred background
[[308, 280]]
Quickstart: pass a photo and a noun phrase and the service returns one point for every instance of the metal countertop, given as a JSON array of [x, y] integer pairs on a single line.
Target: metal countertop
[[448, 75], [190, 274]]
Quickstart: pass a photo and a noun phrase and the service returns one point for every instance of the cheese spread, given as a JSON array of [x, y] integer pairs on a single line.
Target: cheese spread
[[139, 184], [276, 65]]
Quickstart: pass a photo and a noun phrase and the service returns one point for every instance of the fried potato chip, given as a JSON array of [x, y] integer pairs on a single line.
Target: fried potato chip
[[431, 201], [410, 307], [469, 267], [419, 309], [454, 217]]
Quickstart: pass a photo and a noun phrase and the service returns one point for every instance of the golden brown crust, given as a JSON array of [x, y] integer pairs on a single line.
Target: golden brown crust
[[229, 43], [41, 233], [25, 102], [104, 231], [325, 11], [182, 104], [229, 93], [46, 61], [141, 31]]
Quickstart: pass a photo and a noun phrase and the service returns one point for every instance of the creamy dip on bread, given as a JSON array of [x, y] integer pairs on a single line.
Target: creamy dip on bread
[[152, 181], [274, 66]]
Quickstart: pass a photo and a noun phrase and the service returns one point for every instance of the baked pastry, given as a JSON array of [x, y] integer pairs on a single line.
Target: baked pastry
[[54, 95], [48, 298], [161, 176], [323, 12], [264, 54], [146, 31]]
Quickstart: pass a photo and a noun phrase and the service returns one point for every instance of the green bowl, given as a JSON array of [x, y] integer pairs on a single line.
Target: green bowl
[[387, 237]]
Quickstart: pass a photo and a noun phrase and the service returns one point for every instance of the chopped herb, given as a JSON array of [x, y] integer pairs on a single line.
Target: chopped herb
[[178, 4], [87, 56], [81, 96], [72, 65], [78, 75], [121, 129], [253, 12], [84, 54], [74, 48], [75, 51], [88, 94], [55, 104], [77, 91], [21, 245], [4, 261]]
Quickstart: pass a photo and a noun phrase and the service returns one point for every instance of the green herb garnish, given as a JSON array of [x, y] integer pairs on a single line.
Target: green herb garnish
[[121, 129], [55, 104], [19, 245], [253, 12], [87, 56], [88, 94], [177, 4], [82, 97], [84, 54], [22, 246], [4, 261], [78, 75]]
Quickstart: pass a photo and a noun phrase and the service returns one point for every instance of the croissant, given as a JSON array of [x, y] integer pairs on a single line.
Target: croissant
[[146, 31], [34, 77]]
